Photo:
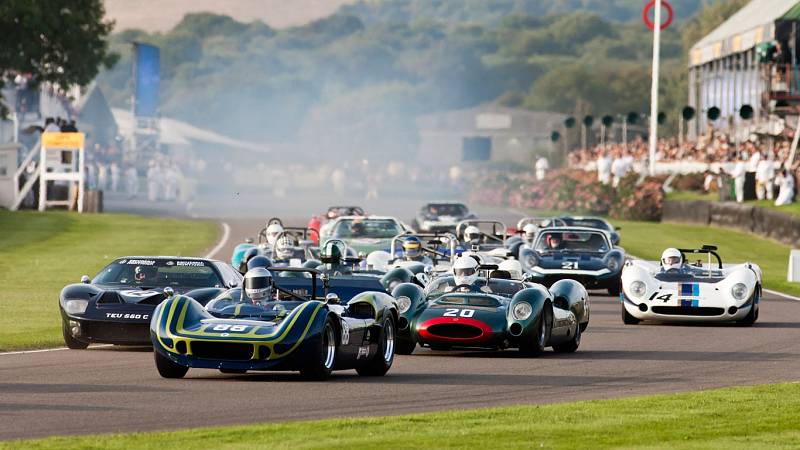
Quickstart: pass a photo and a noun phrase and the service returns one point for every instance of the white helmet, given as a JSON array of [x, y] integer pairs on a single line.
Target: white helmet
[[513, 267], [272, 233], [472, 234], [258, 285], [671, 259], [465, 270], [529, 232], [378, 260]]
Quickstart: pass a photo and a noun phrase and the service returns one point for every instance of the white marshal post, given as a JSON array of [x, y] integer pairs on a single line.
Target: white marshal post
[[654, 86]]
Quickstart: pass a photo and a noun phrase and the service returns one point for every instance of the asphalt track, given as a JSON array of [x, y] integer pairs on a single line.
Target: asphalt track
[[113, 389]]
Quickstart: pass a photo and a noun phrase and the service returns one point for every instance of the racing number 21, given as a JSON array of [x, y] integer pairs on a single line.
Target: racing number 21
[[454, 312]]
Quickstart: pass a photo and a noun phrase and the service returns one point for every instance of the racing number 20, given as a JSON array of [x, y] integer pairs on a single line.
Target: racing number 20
[[454, 312]]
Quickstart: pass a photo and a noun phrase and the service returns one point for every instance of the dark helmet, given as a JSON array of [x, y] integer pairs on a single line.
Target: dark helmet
[[248, 255], [258, 261], [258, 285], [412, 247], [331, 253]]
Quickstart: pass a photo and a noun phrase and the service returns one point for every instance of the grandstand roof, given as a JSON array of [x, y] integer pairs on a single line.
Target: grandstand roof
[[748, 27]]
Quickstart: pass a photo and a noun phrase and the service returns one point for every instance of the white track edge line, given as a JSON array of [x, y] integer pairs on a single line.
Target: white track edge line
[[44, 350], [226, 232]]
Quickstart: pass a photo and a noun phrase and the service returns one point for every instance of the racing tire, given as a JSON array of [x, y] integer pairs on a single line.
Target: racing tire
[[584, 326], [233, 371], [627, 318], [72, 342], [534, 347], [323, 361], [384, 357], [615, 289], [167, 368], [572, 345], [749, 319], [404, 347]]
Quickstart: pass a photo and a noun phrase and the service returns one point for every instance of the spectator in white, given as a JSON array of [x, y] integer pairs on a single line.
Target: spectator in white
[[542, 165], [152, 181], [102, 176], [764, 174], [170, 176], [131, 181], [91, 176], [786, 183], [708, 181], [604, 167], [114, 177], [619, 168], [738, 175], [755, 158]]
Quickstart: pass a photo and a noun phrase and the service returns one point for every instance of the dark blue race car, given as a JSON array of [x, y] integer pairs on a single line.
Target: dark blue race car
[[586, 255]]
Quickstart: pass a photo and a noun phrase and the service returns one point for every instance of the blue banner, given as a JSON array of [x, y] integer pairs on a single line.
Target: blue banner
[[147, 78]]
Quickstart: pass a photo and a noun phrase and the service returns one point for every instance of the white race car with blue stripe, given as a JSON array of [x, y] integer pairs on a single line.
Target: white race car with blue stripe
[[703, 290]]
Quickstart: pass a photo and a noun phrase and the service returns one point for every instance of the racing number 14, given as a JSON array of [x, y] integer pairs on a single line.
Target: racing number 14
[[454, 312], [663, 297]]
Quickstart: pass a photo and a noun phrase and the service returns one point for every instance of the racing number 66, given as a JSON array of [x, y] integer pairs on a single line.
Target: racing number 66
[[454, 312]]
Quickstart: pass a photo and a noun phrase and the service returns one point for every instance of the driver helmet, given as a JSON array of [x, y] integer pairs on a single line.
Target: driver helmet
[[412, 247], [378, 260], [258, 261], [465, 270], [472, 234], [144, 273], [272, 233], [529, 232], [671, 259], [356, 227], [284, 248], [258, 285], [513, 267], [332, 252]]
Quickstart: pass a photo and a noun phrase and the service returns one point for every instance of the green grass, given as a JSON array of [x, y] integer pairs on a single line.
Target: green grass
[[731, 418], [692, 195], [42, 252], [793, 208]]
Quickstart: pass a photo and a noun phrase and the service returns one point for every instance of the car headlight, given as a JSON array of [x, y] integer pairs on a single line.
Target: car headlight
[[637, 288], [75, 306], [613, 264], [403, 303], [739, 291], [522, 311]]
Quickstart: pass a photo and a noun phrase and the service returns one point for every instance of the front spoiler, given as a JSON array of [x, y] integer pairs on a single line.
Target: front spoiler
[[633, 309]]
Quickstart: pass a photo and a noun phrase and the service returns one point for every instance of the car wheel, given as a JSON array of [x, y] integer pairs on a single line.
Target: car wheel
[[628, 319], [324, 358], [534, 347], [167, 368], [404, 347], [749, 319], [572, 345], [72, 342], [584, 326], [384, 357]]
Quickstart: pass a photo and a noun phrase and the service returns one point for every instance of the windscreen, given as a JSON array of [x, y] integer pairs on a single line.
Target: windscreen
[[586, 222], [578, 241], [159, 273], [367, 228], [447, 209]]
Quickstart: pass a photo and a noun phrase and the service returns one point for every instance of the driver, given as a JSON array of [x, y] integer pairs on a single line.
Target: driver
[[144, 274], [284, 248], [529, 233], [554, 241], [273, 231], [465, 274], [356, 228], [472, 235], [412, 250], [258, 286], [333, 258], [671, 259]]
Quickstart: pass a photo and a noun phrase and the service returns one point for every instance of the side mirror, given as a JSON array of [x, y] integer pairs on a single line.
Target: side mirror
[[169, 292], [527, 276], [85, 279], [423, 278], [231, 284]]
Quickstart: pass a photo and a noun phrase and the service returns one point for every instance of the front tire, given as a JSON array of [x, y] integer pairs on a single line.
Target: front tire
[[535, 347], [404, 347], [167, 368], [572, 345], [384, 357], [627, 318], [325, 355], [750, 318], [72, 342]]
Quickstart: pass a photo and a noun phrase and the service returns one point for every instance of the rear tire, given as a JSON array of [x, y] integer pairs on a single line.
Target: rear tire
[[404, 347], [72, 342], [572, 345], [167, 368], [322, 365], [535, 347], [628, 319], [384, 357]]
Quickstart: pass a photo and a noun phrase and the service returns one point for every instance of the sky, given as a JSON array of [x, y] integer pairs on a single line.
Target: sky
[[276, 13]]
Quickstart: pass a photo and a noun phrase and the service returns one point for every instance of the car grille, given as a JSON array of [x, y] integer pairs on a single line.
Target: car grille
[[116, 332], [680, 311], [222, 350], [454, 330]]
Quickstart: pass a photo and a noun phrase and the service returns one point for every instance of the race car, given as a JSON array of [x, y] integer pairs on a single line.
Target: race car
[[440, 216], [115, 306], [306, 333], [317, 223], [682, 291], [482, 235], [364, 234], [495, 312], [586, 222], [582, 254]]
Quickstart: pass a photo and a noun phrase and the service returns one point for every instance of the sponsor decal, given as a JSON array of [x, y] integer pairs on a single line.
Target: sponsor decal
[[141, 262], [363, 352], [191, 263], [127, 316], [122, 261], [170, 263]]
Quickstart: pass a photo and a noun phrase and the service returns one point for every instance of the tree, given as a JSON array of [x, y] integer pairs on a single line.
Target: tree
[[60, 41]]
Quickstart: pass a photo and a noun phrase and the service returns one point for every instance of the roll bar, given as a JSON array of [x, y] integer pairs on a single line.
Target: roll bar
[[314, 274], [538, 221], [705, 249], [494, 236]]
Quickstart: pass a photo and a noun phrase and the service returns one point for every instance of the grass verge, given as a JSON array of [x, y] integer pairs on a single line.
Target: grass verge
[[792, 208], [40, 253], [763, 417]]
